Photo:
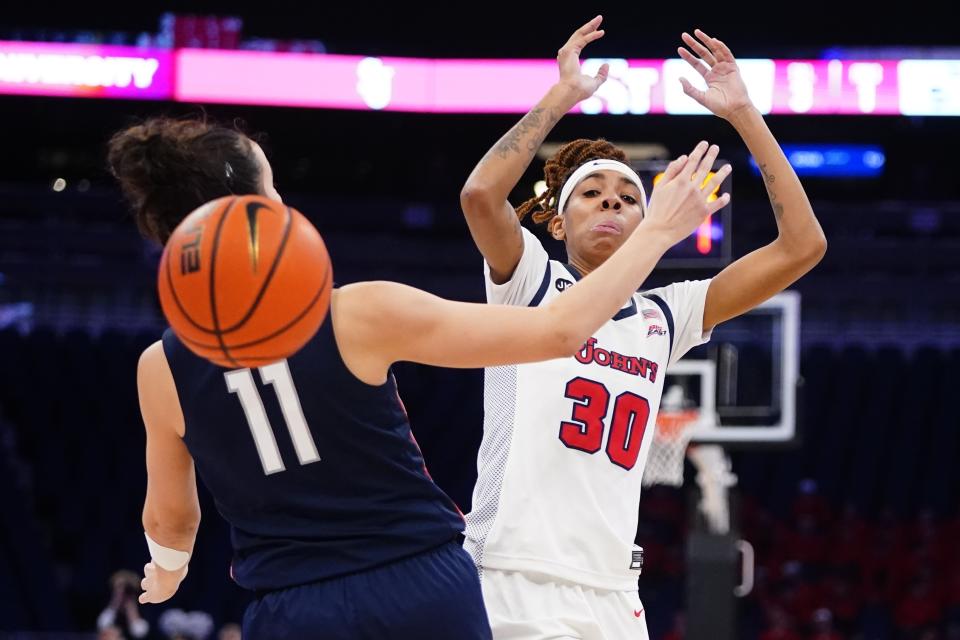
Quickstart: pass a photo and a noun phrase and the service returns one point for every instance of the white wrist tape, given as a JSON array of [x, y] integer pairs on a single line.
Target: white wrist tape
[[165, 557]]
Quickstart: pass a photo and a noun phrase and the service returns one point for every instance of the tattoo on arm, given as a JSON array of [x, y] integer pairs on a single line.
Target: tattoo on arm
[[538, 121], [768, 180]]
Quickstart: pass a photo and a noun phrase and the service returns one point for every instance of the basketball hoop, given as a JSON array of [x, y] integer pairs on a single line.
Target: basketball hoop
[[676, 424], [665, 465], [669, 447]]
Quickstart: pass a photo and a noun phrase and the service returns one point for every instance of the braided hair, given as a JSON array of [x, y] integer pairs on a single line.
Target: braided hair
[[558, 168]]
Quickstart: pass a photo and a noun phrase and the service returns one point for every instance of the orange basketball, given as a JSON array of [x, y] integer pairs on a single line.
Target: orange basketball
[[245, 281]]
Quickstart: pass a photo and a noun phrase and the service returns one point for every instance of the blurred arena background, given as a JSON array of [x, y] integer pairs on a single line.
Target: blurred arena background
[[856, 523]]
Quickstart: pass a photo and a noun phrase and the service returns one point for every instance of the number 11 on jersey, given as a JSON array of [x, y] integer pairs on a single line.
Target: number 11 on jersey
[[277, 374]]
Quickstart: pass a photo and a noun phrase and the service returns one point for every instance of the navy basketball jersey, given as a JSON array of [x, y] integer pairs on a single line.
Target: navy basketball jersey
[[317, 472]]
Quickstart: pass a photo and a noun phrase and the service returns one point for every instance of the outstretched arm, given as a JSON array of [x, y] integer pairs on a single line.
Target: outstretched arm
[[800, 243], [492, 220], [378, 323]]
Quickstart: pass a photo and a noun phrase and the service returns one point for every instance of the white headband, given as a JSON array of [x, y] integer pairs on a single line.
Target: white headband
[[599, 165]]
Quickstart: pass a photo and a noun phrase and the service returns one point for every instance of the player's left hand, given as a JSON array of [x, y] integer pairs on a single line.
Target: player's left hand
[[158, 584], [726, 93]]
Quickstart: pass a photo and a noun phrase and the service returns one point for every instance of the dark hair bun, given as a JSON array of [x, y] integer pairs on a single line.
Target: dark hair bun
[[168, 167]]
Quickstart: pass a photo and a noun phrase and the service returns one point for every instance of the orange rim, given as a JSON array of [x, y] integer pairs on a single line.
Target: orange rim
[[670, 425]]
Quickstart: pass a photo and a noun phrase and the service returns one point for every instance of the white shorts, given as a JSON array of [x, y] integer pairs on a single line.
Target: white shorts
[[524, 606]]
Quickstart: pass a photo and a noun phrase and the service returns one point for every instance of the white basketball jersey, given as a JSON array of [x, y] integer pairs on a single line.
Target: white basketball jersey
[[565, 441]]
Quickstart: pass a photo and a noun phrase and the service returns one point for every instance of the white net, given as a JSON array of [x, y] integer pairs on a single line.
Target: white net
[[714, 476], [669, 448]]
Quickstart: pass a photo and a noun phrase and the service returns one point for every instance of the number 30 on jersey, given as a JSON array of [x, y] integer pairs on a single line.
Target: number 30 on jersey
[[584, 431]]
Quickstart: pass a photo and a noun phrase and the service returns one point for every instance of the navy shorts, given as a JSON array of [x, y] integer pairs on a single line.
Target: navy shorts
[[435, 594]]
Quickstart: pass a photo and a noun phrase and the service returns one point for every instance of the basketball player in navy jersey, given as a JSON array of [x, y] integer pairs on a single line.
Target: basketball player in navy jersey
[[336, 524]]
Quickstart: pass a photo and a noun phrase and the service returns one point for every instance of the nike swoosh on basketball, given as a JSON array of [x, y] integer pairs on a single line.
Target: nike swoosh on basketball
[[252, 209]]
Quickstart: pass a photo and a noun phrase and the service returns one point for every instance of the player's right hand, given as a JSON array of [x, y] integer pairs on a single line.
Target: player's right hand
[[158, 584], [681, 199], [568, 59]]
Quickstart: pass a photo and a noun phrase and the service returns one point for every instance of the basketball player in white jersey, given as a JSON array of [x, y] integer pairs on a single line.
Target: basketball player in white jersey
[[565, 441]]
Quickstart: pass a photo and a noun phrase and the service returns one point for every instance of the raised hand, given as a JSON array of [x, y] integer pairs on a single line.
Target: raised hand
[[726, 92], [680, 200], [568, 59]]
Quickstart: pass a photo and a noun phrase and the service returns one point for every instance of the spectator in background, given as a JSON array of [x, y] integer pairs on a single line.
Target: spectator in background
[[110, 633], [186, 625], [805, 541], [920, 607], [123, 612], [809, 502], [229, 632], [849, 541], [779, 626], [798, 591], [822, 624], [843, 599], [679, 629]]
